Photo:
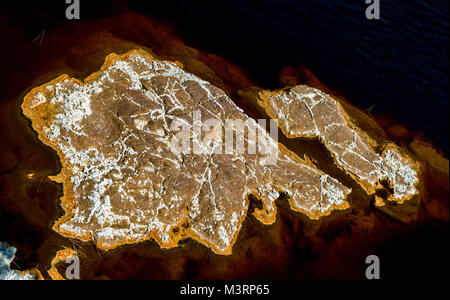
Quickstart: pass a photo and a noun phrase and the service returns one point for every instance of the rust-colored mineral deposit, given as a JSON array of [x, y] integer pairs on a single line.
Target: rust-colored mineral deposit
[[61, 255], [125, 179], [307, 112]]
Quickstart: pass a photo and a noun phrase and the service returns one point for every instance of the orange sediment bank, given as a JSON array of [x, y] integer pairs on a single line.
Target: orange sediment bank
[[89, 130], [60, 256]]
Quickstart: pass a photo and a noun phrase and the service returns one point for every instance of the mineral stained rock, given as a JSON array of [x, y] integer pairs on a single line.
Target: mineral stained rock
[[6, 257], [303, 111], [61, 255], [126, 180]]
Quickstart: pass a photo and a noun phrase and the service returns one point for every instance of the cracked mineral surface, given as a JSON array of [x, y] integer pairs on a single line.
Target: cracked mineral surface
[[125, 181], [303, 111]]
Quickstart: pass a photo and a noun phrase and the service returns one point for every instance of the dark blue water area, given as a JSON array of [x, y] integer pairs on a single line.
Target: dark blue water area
[[398, 65]]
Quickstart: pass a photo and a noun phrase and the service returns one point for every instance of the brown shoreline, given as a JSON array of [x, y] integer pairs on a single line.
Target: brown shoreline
[[68, 199], [263, 101]]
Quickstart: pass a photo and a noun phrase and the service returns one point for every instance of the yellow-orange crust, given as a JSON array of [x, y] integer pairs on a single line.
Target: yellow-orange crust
[[41, 116]]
